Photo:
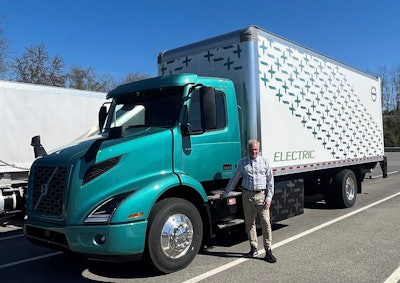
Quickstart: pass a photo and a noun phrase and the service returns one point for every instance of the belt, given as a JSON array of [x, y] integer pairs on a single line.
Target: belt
[[253, 191]]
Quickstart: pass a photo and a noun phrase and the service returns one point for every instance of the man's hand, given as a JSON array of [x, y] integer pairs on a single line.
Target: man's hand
[[267, 204]]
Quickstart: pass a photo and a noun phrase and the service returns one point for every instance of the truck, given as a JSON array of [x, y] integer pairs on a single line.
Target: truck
[[58, 114], [147, 185]]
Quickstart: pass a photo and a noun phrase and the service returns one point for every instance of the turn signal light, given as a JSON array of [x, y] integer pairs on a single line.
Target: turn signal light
[[136, 215]]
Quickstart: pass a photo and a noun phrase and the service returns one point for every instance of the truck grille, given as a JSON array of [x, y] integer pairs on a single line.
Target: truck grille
[[47, 194], [47, 238]]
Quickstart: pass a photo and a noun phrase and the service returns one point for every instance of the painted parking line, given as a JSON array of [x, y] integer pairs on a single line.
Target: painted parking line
[[380, 176], [29, 259], [11, 237], [395, 277], [291, 239]]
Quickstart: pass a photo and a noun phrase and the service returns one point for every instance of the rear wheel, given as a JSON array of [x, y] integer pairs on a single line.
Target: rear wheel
[[174, 235], [345, 188]]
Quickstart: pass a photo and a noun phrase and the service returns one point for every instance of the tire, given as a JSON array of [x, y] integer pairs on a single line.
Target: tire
[[174, 235], [345, 188]]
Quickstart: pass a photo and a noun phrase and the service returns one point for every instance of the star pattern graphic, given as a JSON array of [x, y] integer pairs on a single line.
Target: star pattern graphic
[[315, 91]]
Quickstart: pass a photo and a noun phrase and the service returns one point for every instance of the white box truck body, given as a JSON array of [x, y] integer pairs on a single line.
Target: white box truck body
[[308, 110]]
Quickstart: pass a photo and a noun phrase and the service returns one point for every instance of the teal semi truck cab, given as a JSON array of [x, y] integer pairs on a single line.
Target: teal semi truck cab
[[147, 185]]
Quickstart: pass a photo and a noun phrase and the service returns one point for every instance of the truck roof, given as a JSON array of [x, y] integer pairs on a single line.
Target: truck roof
[[249, 33], [161, 81]]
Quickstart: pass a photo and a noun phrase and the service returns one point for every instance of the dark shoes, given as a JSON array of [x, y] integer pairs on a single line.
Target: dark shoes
[[269, 257], [253, 252]]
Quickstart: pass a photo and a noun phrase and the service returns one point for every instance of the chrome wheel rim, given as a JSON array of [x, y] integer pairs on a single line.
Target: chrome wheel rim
[[350, 188], [176, 236]]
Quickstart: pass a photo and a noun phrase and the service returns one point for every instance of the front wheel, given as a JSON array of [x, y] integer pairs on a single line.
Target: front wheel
[[174, 235], [345, 188]]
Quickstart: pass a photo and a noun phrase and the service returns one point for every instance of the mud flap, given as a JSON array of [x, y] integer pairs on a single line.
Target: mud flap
[[384, 167]]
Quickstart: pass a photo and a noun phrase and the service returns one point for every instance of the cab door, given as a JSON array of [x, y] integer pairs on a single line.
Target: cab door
[[210, 147]]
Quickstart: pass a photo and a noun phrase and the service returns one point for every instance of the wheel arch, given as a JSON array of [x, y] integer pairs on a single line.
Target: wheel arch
[[192, 195]]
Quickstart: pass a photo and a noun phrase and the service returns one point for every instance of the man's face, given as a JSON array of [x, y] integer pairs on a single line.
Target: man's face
[[253, 151]]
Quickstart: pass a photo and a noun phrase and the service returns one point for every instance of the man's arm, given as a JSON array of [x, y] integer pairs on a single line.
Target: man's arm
[[270, 186], [233, 181]]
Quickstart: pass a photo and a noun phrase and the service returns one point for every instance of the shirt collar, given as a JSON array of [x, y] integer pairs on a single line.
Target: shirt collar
[[255, 159]]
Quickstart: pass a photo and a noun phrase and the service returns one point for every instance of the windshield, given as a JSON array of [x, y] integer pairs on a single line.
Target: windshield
[[150, 108]]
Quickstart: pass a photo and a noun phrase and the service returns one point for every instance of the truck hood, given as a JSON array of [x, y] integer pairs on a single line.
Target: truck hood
[[77, 149], [138, 156]]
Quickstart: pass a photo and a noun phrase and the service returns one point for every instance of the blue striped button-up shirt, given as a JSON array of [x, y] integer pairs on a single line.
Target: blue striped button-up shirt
[[256, 175]]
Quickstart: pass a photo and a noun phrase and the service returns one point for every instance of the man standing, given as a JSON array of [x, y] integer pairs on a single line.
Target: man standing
[[258, 190]]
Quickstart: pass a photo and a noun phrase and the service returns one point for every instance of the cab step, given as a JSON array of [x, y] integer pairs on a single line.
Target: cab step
[[230, 223], [215, 195]]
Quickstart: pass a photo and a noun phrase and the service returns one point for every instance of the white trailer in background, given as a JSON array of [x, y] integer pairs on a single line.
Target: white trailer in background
[[58, 115]]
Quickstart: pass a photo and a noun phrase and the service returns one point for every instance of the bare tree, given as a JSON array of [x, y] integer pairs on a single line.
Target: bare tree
[[37, 67], [4, 48], [132, 77], [87, 79], [396, 85], [79, 78], [388, 91]]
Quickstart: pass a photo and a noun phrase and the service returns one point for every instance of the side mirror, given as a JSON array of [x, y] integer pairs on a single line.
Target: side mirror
[[185, 129], [38, 149], [102, 117], [208, 108], [116, 133]]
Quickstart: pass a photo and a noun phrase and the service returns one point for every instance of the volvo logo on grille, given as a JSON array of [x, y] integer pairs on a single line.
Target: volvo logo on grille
[[43, 189]]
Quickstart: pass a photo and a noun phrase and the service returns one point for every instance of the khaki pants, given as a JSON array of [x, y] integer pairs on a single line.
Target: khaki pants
[[253, 204]]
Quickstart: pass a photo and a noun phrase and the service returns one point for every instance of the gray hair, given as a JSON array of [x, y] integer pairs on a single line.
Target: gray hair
[[251, 142]]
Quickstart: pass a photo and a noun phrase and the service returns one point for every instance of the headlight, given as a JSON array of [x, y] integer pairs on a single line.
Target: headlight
[[100, 168], [104, 212]]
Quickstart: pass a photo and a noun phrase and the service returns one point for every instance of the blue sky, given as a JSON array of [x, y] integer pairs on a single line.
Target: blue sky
[[122, 36]]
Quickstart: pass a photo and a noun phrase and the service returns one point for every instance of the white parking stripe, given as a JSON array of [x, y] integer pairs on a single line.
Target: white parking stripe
[[29, 259], [291, 239], [11, 237], [395, 277], [380, 176]]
